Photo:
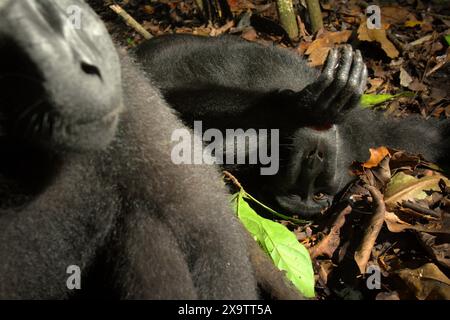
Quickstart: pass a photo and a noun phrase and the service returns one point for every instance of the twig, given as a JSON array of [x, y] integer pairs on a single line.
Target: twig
[[419, 41], [331, 241], [130, 21], [427, 65], [233, 179], [400, 45], [362, 254], [419, 208], [440, 16]]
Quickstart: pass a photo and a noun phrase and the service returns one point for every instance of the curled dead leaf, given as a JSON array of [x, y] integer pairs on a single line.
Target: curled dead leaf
[[426, 282], [404, 187], [376, 156]]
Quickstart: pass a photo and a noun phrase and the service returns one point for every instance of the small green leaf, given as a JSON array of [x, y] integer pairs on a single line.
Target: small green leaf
[[280, 244], [447, 39], [369, 100]]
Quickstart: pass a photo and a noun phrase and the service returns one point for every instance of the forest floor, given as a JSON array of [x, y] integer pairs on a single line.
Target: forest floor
[[409, 72]]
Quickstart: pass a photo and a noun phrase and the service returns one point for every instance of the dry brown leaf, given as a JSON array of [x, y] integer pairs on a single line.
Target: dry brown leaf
[[371, 231], [388, 296], [149, 9], [328, 39], [416, 85], [378, 69], [404, 187], [302, 47], [405, 78], [426, 282], [325, 267], [319, 48], [200, 31], [376, 156], [375, 83], [395, 15], [437, 245], [240, 5], [437, 112], [249, 34], [216, 32], [331, 241], [303, 32], [441, 61], [382, 173], [377, 35], [395, 224], [318, 57]]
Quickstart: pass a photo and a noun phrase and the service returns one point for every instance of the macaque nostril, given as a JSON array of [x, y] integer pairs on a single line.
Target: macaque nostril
[[314, 154], [319, 196], [90, 69]]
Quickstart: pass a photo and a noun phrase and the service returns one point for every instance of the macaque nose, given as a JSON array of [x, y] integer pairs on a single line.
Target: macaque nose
[[312, 166]]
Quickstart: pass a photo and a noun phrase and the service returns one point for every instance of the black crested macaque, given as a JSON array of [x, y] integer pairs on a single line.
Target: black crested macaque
[[86, 177], [229, 83]]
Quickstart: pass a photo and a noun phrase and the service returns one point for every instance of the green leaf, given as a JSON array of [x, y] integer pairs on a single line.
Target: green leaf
[[131, 42], [447, 39], [369, 100], [280, 244]]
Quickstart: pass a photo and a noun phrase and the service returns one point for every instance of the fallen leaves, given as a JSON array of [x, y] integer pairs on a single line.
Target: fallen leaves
[[405, 187], [362, 254], [405, 78], [416, 200], [377, 35], [376, 156], [331, 241], [395, 15], [318, 49], [427, 282]]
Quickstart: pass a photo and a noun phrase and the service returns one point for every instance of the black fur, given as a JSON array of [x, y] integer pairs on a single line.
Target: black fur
[[86, 177], [230, 83]]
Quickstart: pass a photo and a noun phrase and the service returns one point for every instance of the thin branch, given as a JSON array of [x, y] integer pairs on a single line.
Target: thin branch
[[362, 254], [129, 20]]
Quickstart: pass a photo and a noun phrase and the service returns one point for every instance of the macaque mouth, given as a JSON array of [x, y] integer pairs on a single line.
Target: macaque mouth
[[22, 94], [322, 127], [101, 123], [295, 204], [28, 112]]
